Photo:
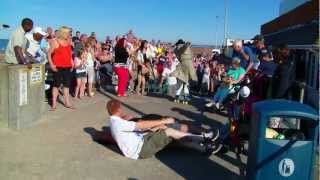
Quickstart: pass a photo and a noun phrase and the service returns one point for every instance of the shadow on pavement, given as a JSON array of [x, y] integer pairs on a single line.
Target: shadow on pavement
[[198, 118], [192, 165], [103, 138]]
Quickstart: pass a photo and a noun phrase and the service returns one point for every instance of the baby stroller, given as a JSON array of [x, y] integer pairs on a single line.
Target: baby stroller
[[108, 78]]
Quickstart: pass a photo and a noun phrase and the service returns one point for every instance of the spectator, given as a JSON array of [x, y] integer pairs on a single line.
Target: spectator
[[81, 73], [44, 44], [171, 79], [257, 49], [222, 92], [89, 48], [213, 73], [108, 41], [17, 43], [76, 38], [33, 51], [236, 72], [80, 44], [61, 63], [120, 66], [132, 64], [142, 67], [94, 36], [206, 78], [244, 53], [284, 75]]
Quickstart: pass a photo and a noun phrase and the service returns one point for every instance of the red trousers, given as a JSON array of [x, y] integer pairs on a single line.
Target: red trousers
[[123, 78]]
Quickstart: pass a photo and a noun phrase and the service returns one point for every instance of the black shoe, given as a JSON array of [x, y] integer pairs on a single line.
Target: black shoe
[[212, 148]]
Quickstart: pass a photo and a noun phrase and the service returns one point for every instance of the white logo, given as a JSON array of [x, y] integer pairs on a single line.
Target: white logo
[[286, 167]]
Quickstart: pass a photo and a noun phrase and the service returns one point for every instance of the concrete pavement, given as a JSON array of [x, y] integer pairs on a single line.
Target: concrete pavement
[[59, 146]]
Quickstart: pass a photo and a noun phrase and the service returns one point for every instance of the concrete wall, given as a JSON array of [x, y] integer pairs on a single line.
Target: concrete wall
[[4, 100], [21, 97]]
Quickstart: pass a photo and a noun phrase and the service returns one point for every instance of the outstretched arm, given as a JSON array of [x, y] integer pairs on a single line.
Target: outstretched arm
[[149, 124]]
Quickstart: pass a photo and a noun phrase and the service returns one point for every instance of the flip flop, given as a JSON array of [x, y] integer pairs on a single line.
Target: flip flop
[[69, 107], [52, 109]]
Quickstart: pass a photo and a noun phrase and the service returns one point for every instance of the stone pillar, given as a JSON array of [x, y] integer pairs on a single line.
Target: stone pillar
[[22, 95]]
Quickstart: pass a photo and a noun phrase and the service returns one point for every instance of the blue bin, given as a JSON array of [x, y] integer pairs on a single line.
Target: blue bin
[[290, 157]]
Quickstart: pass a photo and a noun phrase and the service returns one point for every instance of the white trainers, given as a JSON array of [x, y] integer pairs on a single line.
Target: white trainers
[[217, 105], [210, 104]]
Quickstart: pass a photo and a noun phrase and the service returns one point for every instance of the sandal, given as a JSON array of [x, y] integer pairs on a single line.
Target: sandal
[[52, 108], [69, 107]]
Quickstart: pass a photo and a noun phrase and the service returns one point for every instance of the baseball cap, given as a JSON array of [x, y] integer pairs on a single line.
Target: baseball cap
[[258, 38], [180, 41], [39, 30], [244, 92]]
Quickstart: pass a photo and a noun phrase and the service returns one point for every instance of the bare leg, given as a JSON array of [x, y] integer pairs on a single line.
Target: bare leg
[[79, 84], [161, 81], [139, 83], [143, 84], [55, 93], [211, 85], [186, 139], [82, 88], [179, 135], [90, 89], [66, 97], [187, 128]]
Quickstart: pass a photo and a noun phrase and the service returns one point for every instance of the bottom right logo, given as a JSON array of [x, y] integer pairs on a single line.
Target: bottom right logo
[[286, 167]]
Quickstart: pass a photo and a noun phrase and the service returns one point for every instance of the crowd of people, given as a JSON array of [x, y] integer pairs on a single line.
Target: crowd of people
[[136, 64]]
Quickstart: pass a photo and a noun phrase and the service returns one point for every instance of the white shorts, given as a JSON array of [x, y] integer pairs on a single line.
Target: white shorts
[[90, 72]]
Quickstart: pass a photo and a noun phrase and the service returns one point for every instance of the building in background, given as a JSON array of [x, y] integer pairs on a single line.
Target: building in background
[[298, 27], [297, 24]]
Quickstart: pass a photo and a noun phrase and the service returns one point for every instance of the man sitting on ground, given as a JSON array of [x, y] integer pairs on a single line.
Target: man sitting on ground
[[144, 138]]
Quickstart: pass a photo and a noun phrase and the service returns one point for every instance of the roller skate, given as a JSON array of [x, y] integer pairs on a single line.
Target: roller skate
[[179, 99], [186, 99]]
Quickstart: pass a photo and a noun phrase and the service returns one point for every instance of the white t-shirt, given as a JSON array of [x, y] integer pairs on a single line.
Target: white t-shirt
[[81, 69], [151, 52], [33, 46], [206, 75], [140, 57], [90, 60], [171, 79], [129, 142], [167, 71]]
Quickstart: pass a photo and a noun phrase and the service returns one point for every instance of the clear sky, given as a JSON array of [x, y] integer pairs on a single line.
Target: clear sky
[[193, 20]]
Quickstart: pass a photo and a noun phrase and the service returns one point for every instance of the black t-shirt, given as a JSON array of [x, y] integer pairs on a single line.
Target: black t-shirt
[[121, 55], [75, 38]]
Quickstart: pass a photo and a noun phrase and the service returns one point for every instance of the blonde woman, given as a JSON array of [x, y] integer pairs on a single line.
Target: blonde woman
[[61, 63], [90, 65]]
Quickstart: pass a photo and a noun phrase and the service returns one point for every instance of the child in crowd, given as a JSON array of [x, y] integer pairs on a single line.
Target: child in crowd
[[90, 65], [81, 73], [222, 93], [206, 78], [167, 73], [213, 68], [218, 72]]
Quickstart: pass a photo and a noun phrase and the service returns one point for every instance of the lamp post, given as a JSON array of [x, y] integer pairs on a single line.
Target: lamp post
[[217, 32], [225, 21]]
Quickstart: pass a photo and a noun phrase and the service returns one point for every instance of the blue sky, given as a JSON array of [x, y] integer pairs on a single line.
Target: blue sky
[[194, 20]]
